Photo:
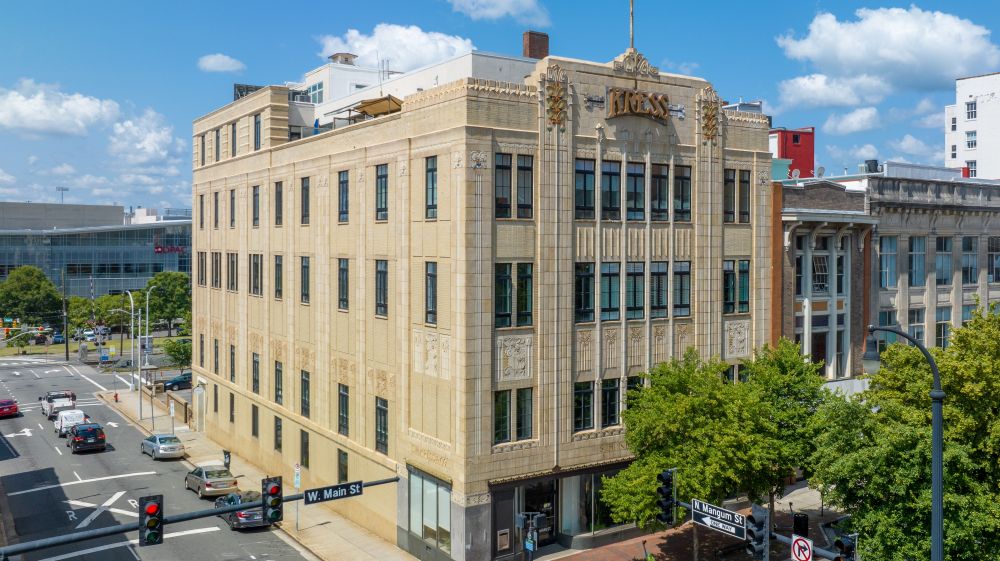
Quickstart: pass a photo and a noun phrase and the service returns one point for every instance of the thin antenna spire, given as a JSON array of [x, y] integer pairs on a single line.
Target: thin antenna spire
[[631, 24]]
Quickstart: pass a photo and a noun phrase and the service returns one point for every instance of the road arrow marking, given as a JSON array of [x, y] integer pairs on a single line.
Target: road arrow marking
[[112, 424], [24, 432]]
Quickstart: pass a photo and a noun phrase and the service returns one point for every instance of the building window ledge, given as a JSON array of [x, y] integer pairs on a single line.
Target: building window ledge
[[504, 447]]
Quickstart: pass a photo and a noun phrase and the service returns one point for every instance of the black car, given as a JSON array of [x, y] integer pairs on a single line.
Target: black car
[[249, 518], [181, 382], [89, 436]]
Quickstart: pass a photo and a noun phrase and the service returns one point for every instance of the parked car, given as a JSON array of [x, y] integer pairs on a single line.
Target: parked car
[[68, 419], [249, 518], [58, 339], [56, 401], [86, 436], [162, 446], [8, 408], [181, 382], [210, 480]]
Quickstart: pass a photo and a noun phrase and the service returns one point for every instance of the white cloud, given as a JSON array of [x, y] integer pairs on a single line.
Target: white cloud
[[219, 62], [863, 152], [88, 181], [32, 159], [932, 121], [820, 90], [406, 47], [924, 106], [524, 11], [6, 178], [863, 119], [145, 140], [912, 146], [34, 108], [102, 191], [911, 48], [686, 68], [61, 169]]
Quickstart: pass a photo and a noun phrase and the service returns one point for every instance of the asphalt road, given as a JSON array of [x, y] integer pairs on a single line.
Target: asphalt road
[[51, 492]]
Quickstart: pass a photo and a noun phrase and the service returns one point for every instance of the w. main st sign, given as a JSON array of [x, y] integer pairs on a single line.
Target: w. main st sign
[[333, 492]]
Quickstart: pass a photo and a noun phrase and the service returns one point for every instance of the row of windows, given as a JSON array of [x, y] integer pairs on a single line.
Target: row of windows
[[232, 139], [635, 291], [916, 260], [915, 324]]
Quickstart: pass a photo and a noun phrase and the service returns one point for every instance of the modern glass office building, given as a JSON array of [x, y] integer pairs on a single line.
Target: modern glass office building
[[97, 260]]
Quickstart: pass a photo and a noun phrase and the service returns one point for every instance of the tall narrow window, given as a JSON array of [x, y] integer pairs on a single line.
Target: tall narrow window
[[202, 149], [916, 274], [610, 291], [255, 372], [970, 260], [502, 295], [942, 261], [658, 277], [343, 283], [430, 292], [611, 200], [970, 140], [659, 196], [583, 406], [202, 268], [943, 326], [682, 193], [232, 363], [744, 294], [304, 279], [304, 201], [256, 274], [255, 206], [304, 394], [343, 196], [610, 390], [993, 256], [887, 262], [218, 144], [304, 449], [886, 318], [201, 212], [232, 407], [215, 398], [968, 310], [343, 409], [841, 266], [201, 352], [635, 290], [381, 425], [971, 164], [916, 323], [256, 132], [342, 476], [501, 185], [729, 195], [523, 418], [232, 208], [744, 196], [216, 210], [584, 292], [278, 281], [821, 274], [431, 187], [232, 272], [682, 288], [232, 139], [970, 110], [279, 383], [279, 203], [381, 287], [635, 191], [277, 434], [382, 192], [501, 416], [728, 287], [525, 293], [584, 189], [216, 269], [525, 188]]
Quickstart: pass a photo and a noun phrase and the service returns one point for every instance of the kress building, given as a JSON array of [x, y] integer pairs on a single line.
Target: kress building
[[459, 287]]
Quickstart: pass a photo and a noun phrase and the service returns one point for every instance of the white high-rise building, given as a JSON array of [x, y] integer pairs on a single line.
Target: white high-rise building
[[972, 126]]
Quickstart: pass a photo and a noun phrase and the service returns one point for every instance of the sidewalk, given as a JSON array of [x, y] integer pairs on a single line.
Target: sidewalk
[[326, 534]]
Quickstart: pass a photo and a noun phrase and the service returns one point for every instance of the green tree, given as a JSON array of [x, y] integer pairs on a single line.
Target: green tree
[[873, 453], [27, 294], [179, 353], [171, 298]]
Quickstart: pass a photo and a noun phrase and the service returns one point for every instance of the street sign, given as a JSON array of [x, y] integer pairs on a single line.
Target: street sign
[[719, 519], [529, 545], [171, 408], [334, 492], [298, 476], [802, 548]]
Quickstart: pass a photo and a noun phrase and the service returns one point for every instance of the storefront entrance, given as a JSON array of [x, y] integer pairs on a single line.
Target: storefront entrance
[[542, 497]]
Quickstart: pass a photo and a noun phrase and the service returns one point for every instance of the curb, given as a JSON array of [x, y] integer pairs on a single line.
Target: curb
[[6, 521]]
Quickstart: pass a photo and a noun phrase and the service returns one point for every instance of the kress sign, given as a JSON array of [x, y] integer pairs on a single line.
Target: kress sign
[[623, 102]]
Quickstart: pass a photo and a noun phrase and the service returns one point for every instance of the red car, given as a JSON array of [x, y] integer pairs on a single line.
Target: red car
[[8, 408]]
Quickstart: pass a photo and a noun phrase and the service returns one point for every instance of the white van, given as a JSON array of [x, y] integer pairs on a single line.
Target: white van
[[66, 420]]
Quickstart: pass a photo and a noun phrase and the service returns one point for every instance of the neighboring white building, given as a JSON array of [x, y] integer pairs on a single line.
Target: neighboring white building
[[972, 126]]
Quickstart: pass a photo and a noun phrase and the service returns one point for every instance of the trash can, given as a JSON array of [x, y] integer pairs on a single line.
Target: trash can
[[800, 524]]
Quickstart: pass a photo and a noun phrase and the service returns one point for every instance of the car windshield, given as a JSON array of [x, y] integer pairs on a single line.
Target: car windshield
[[6, 402], [217, 473], [169, 440]]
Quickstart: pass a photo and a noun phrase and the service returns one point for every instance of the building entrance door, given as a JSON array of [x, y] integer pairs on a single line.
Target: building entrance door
[[542, 497]]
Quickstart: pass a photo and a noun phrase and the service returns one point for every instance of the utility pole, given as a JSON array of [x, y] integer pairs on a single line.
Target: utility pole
[[62, 274]]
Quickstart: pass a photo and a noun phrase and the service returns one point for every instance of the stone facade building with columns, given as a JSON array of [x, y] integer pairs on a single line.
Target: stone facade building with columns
[[460, 291]]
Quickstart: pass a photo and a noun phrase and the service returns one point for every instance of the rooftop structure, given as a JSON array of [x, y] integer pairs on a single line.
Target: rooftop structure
[[972, 127]]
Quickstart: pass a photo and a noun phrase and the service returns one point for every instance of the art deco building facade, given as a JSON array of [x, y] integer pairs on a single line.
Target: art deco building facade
[[461, 292]]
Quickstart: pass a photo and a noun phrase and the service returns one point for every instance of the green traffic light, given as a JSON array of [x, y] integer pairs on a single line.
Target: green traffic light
[[273, 515], [152, 537]]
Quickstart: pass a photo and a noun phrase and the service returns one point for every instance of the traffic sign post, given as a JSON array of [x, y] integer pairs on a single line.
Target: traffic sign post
[[802, 548], [298, 483], [719, 519]]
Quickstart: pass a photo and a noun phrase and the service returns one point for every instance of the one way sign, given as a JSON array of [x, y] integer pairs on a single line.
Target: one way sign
[[719, 519]]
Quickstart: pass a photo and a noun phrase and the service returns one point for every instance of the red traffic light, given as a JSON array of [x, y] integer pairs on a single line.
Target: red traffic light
[[152, 509], [274, 489]]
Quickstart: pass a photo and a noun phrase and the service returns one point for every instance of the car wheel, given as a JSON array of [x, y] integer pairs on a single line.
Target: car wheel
[[200, 494]]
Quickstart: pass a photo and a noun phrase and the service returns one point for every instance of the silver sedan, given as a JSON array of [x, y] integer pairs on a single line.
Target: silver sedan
[[210, 480], [162, 446]]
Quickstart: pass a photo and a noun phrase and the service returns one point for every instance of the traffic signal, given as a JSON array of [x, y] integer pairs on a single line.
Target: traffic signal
[[846, 546], [665, 502], [151, 520], [758, 537], [272, 499]]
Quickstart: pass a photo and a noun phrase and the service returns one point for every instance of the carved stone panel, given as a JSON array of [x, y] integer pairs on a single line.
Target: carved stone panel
[[418, 351], [513, 357], [444, 357], [660, 344], [683, 338], [584, 351], [738, 339], [611, 350], [636, 346]]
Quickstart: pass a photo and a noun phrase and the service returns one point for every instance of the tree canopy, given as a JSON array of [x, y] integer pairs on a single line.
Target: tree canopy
[[873, 453], [171, 298], [27, 294], [179, 352]]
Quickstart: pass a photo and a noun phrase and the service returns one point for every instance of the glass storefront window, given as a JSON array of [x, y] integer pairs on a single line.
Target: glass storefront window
[[430, 510]]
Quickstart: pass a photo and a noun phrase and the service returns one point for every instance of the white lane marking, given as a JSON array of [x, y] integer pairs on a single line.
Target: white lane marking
[[78, 478], [17, 373], [124, 381], [68, 483], [111, 509], [40, 426], [86, 378], [50, 371], [23, 432], [93, 515], [35, 374], [83, 552], [58, 450], [112, 424]]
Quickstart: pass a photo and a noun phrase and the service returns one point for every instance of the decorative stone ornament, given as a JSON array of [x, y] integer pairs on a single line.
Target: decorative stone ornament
[[555, 96], [633, 62], [708, 105]]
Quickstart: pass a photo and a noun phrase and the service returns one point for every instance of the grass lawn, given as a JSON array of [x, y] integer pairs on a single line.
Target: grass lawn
[[74, 346]]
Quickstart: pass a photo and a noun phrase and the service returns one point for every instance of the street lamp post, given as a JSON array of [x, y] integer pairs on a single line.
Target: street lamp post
[[871, 362], [149, 290], [136, 376]]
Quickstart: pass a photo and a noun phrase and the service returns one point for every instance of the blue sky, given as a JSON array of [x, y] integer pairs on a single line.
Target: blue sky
[[99, 97]]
